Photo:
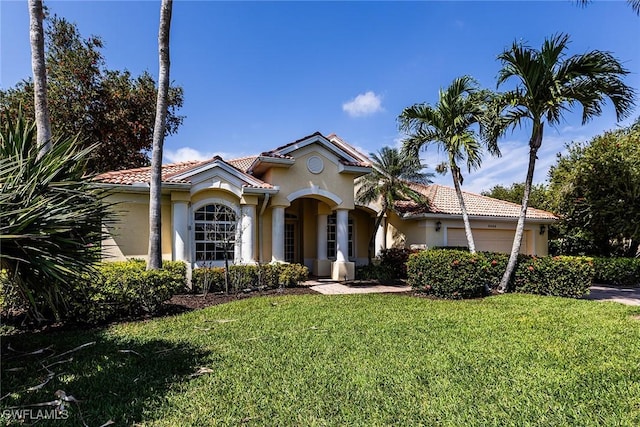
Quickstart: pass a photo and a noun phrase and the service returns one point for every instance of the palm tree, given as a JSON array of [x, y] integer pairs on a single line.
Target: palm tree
[[38, 67], [50, 218], [155, 237], [389, 182], [548, 84], [449, 124], [635, 4]]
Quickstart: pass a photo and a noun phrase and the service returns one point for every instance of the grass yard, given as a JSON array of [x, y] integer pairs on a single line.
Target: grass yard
[[348, 360]]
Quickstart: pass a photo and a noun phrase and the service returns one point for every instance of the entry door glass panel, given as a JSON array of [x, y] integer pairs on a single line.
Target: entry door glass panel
[[290, 242]]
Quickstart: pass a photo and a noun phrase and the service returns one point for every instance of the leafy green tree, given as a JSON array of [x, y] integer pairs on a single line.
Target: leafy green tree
[[50, 217], [155, 195], [106, 107], [596, 188], [449, 124], [389, 182], [547, 85], [538, 197]]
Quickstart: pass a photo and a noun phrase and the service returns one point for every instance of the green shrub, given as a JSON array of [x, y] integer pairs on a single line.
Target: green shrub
[[248, 277], [380, 272], [617, 271], [292, 274], [459, 274], [448, 273], [394, 262], [563, 276], [210, 279], [126, 289]]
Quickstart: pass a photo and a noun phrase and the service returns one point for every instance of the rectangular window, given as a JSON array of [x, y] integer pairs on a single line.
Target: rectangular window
[[332, 234]]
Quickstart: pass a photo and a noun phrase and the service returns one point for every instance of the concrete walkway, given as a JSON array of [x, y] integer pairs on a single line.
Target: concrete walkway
[[329, 287], [628, 296]]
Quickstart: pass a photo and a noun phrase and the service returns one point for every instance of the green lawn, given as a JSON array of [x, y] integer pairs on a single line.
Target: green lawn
[[350, 360]]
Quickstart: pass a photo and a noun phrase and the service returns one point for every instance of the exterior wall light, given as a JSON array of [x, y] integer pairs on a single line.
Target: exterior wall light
[[438, 226], [542, 229]]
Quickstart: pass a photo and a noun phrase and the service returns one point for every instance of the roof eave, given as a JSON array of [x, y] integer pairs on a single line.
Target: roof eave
[[356, 170], [477, 217]]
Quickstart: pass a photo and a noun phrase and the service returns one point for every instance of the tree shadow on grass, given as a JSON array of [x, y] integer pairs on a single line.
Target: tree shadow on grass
[[114, 378]]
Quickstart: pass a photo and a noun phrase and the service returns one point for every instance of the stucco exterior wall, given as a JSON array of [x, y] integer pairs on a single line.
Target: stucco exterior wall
[[131, 232], [419, 233], [298, 178]]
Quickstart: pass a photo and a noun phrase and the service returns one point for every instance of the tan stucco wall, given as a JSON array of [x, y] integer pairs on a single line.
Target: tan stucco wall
[[421, 232], [131, 232], [213, 195], [298, 177]]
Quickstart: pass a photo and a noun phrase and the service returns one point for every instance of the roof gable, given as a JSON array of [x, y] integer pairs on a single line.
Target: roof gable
[[345, 153]]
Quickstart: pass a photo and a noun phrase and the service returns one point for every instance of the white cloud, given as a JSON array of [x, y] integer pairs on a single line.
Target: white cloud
[[184, 154], [364, 104]]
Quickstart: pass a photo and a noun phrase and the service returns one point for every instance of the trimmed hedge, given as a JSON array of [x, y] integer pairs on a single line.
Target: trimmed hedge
[[617, 271], [241, 277], [564, 276], [391, 268], [126, 288], [459, 274]]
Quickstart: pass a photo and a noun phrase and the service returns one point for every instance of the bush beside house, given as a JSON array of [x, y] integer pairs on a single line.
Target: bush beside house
[[126, 288], [460, 274], [261, 276], [617, 271]]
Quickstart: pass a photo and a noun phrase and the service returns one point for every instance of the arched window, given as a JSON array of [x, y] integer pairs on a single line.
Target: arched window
[[215, 233]]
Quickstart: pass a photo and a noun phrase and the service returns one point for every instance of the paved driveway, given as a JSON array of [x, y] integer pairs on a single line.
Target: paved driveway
[[628, 296]]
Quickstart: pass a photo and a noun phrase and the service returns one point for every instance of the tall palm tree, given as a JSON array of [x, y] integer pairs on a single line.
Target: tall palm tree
[[38, 67], [389, 182], [450, 124], [635, 4], [548, 84], [155, 238]]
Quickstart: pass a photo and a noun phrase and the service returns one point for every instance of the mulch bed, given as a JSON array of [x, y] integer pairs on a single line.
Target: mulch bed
[[188, 302]]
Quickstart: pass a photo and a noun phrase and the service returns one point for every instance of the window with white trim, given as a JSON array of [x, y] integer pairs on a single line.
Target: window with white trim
[[215, 232], [332, 234]]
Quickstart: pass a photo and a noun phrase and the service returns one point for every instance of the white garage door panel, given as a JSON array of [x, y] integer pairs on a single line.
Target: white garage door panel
[[486, 240]]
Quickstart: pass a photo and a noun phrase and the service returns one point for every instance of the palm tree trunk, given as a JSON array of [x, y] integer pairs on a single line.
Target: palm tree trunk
[[372, 239], [155, 219], [536, 142], [38, 67], [455, 171]]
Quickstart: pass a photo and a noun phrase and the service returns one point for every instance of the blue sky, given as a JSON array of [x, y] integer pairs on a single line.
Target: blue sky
[[258, 75]]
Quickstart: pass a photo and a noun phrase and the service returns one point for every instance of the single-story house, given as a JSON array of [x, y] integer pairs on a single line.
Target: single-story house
[[296, 203]]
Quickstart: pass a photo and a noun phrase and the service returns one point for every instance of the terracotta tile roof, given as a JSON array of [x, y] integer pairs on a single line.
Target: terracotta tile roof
[[171, 171], [363, 159], [130, 176], [242, 163], [443, 200]]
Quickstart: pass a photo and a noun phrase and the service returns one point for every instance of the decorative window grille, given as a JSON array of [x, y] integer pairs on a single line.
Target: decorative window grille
[[332, 234], [215, 233]]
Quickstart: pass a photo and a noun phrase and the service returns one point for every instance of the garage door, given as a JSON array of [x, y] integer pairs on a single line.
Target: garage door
[[486, 240]]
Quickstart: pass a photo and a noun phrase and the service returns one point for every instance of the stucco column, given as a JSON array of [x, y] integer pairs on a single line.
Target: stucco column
[[246, 234], [342, 235], [277, 234], [180, 232], [342, 269], [322, 265], [380, 238]]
